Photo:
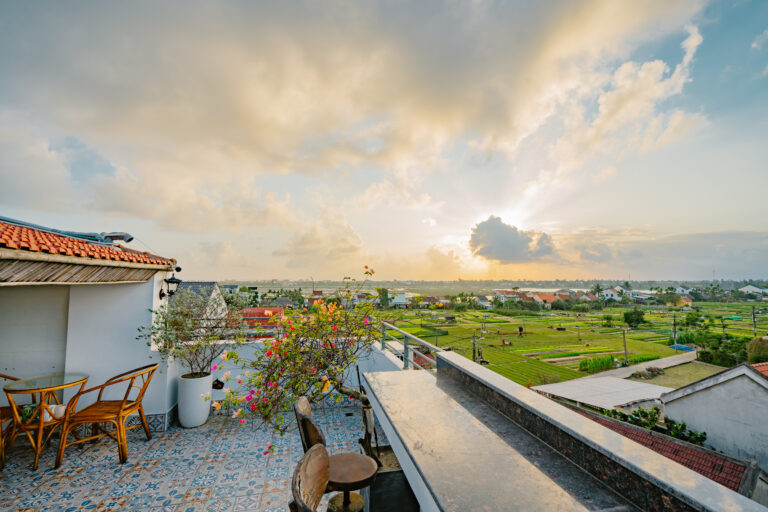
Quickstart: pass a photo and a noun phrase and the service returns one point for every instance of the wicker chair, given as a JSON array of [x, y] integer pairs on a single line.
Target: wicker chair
[[310, 480], [115, 412], [6, 414]]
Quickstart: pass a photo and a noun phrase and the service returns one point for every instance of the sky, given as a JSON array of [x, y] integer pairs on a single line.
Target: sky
[[430, 140]]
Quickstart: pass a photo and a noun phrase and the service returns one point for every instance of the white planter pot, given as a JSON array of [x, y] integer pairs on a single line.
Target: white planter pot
[[194, 410]]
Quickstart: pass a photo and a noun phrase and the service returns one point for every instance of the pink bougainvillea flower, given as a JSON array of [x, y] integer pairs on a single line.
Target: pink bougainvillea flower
[[214, 367], [366, 320], [224, 355], [269, 353], [266, 453], [335, 328], [264, 399], [242, 420]]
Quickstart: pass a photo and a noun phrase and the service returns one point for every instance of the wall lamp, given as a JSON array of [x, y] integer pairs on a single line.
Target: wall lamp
[[172, 283]]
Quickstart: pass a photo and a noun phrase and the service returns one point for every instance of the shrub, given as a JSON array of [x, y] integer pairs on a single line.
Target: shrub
[[641, 358], [634, 318], [596, 364], [757, 350]]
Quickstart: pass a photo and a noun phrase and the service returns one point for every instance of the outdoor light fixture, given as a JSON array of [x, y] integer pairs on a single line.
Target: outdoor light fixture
[[172, 283]]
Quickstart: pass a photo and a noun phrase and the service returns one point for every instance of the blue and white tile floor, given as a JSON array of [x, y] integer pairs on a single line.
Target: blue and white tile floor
[[217, 467]]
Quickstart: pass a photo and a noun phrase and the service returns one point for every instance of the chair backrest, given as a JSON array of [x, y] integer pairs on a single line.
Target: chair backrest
[[302, 409], [310, 480], [311, 432], [301, 406], [137, 379]]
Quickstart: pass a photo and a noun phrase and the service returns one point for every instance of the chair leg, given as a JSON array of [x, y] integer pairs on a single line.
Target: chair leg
[[122, 441], [144, 423], [94, 431], [62, 445], [2, 447], [38, 445]]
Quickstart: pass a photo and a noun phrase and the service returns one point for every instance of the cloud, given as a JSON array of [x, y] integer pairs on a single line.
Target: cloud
[[494, 240], [30, 169], [325, 243], [596, 252], [759, 40]]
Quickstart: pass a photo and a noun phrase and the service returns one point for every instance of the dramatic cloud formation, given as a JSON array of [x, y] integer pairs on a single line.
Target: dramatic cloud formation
[[494, 240], [298, 138]]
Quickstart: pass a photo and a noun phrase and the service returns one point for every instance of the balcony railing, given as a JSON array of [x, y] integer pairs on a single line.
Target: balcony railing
[[399, 342]]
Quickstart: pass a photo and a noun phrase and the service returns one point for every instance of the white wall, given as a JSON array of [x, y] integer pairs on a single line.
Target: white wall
[[33, 330], [734, 414], [101, 338]]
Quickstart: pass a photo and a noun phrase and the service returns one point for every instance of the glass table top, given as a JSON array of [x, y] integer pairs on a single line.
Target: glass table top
[[46, 381]]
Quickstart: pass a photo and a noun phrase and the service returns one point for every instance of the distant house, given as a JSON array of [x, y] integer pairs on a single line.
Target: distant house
[[317, 295], [484, 302], [505, 295], [283, 302], [262, 320], [585, 296], [730, 406], [683, 290], [398, 300], [750, 288], [545, 299], [208, 289], [611, 293]]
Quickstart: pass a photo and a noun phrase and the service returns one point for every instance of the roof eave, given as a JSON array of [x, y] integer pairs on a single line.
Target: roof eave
[[16, 254]]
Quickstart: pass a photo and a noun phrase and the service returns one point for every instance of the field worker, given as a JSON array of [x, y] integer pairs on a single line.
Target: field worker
[[520, 332]]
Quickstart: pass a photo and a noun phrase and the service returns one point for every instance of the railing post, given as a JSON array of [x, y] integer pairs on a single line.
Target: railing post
[[406, 352], [383, 337]]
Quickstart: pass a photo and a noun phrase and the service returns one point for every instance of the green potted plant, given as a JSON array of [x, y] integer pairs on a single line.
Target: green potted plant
[[195, 329]]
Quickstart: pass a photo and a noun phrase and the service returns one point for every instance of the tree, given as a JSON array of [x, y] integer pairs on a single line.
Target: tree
[[309, 356], [757, 350], [383, 297], [634, 318], [190, 328], [235, 301], [596, 289]]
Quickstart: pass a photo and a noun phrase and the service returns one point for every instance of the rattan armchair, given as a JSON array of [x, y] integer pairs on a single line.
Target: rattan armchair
[[115, 412], [6, 414]]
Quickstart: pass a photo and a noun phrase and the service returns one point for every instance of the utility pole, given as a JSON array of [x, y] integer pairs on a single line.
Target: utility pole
[[754, 322], [474, 345], [626, 359], [674, 330]]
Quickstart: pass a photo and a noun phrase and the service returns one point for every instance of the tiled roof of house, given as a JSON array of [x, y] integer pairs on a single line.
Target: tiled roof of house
[[24, 238], [762, 368], [549, 298], [721, 469]]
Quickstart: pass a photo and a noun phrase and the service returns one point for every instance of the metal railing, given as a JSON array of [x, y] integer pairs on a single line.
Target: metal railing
[[407, 354]]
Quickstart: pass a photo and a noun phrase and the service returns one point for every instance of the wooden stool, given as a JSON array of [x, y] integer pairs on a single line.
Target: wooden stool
[[356, 503], [349, 472]]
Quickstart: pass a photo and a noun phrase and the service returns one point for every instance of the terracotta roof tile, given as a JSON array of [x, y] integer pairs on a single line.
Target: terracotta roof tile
[[35, 240], [723, 471], [762, 368]]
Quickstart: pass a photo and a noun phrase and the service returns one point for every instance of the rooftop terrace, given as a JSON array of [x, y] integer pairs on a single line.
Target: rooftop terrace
[[219, 467]]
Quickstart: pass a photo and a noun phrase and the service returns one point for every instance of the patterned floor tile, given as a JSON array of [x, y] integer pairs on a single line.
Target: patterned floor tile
[[218, 467]]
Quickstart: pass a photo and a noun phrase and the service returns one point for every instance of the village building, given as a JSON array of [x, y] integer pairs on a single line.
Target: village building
[[730, 406], [73, 302]]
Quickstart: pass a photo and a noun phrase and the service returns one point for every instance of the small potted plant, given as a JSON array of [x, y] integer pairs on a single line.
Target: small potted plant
[[194, 328]]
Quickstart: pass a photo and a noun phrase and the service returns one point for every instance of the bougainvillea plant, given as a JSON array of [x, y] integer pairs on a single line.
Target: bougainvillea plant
[[311, 353]]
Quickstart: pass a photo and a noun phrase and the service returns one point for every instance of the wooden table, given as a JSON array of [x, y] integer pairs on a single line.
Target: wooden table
[[349, 472], [42, 422]]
